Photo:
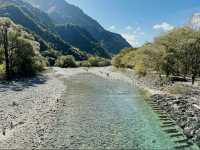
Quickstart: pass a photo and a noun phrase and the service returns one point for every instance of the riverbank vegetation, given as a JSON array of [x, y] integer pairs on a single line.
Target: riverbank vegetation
[[92, 61], [174, 54], [19, 52]]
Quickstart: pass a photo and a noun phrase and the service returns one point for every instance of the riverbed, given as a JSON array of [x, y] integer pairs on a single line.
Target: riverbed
[[81, 108], [106, 114]]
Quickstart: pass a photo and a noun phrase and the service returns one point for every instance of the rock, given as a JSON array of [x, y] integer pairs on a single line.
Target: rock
[[189, 132], [14, 104]]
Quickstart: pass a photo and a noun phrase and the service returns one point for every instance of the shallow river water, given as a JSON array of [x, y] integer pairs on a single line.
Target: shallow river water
[[106, 114]]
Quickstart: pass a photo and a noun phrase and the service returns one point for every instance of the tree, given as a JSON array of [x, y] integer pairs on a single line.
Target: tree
[[182, 46], [20, 50], [191, 57], [175, 54], [5, 24], [66, 61]]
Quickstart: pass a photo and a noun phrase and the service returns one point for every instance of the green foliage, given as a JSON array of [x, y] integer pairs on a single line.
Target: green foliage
[[93, 61], [84, 64], [125, 58], [98, 61], [2, 69], [81, 38], [65, 13], [51, 55], [23, 57], [38, 23], [66, 61], [175, 53]]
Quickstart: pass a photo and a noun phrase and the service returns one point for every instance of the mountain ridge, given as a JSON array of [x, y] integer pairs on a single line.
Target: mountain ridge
[[41, 25], [61, 12]]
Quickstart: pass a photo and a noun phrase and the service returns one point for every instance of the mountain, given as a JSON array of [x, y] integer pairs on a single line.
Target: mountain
[[80, 38], [47, 33], [37, 23], [62, 12], [195, 21]]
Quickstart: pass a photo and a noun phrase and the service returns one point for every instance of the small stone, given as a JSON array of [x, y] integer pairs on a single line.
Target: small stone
[[14, 104], [189, 132]]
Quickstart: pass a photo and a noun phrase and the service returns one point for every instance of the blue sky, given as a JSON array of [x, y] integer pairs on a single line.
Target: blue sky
[[139, 20]]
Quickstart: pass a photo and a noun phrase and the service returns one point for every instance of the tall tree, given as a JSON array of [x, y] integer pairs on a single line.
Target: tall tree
[[5, 24], [21, 51]]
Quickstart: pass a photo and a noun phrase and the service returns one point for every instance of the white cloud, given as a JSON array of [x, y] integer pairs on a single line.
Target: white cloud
[[132, 35], [131, 38], [163, 26], [129, 28], [141, 33], [138, 32], [112, 27]]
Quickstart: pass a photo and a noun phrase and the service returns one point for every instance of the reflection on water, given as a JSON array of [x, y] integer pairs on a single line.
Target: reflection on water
[[105, 114]]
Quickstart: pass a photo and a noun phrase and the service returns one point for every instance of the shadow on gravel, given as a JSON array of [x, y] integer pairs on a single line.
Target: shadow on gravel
[[21, 84]]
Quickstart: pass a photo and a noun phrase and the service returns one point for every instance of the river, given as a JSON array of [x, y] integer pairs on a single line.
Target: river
[[106, 114]]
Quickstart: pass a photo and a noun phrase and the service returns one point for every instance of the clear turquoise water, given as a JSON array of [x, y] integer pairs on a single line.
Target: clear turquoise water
[[105, 114]]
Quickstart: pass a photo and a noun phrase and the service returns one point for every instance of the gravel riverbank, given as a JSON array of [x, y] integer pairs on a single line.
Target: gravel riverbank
[[27, 110], [29, 107]]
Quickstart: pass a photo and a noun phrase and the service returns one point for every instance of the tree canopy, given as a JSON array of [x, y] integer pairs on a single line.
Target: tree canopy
[[175, 53], [19, 50]]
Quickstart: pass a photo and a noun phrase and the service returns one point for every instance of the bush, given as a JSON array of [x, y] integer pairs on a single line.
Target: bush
[[93, 61], [27, 61], [40, 63], [66, 61], [99, 62], [2, 68], [140, 70], [104, 63], [51, 56], [84, 64]]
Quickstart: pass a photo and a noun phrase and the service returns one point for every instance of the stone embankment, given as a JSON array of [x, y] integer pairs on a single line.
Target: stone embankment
[[182, 107], [184, 110]]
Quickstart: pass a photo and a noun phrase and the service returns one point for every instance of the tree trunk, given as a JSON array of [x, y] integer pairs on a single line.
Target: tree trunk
[[8, 75], [193, 79]]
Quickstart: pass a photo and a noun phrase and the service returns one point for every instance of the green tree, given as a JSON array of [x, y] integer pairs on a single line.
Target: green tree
[[182, 46], [20, 50], [66, 61]]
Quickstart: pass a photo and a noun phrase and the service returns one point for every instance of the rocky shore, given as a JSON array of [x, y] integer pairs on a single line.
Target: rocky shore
[[184, 110], [183, 107], [28, 107], [27, 110]]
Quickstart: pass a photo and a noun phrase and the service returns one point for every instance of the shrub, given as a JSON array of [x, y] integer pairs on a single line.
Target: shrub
[[93, 61], [2, 68], [140, 70], [66, 61], [99, 62], [104, 63], [85, 64], [51, 56]]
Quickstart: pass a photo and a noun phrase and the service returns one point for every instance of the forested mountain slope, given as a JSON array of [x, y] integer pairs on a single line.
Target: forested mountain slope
[[62, 12]]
